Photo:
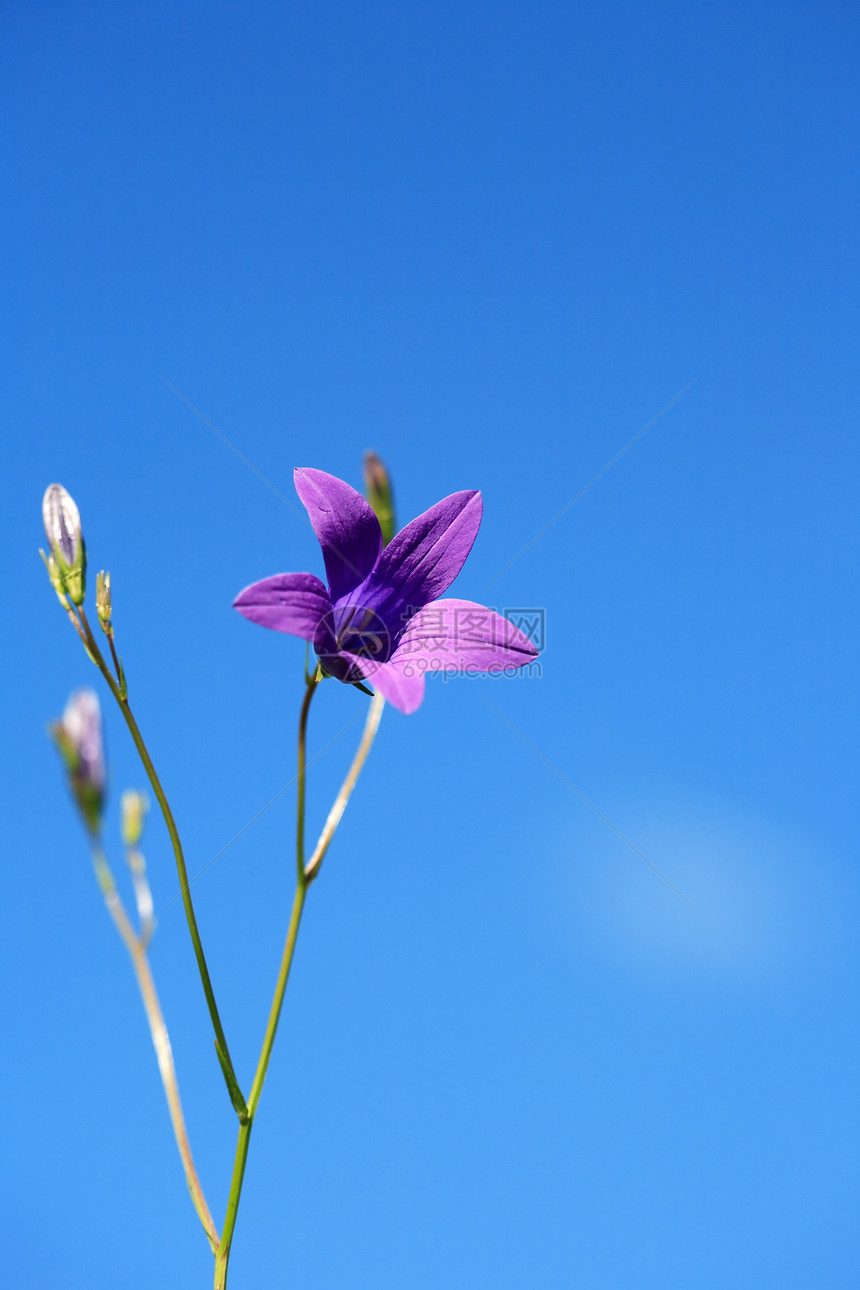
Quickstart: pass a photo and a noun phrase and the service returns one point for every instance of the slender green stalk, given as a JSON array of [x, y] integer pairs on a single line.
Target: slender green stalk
[[247, 1123], [278, 999], [116, 663], [304, 876], [172, 830], [311, 686], [222, 1257], [136, 946]]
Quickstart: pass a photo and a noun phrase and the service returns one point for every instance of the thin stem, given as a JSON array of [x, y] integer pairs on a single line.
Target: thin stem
[[116, 665], [336, 813], [223, 1254], [172, 830], [160, 1038], [278, 999], [247, 1122], [222, 1257], [300, 777]]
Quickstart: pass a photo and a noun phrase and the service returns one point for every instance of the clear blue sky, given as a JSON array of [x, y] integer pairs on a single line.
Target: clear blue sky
[[491, 241]]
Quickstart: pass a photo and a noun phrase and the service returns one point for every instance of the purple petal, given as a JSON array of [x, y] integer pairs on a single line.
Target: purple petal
[[288, 602], [347, 529], [463, 636], [324, 639], [424, 558], [402, 686]]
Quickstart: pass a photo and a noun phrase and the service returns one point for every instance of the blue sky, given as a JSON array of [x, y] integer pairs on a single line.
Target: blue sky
[[493, 242]]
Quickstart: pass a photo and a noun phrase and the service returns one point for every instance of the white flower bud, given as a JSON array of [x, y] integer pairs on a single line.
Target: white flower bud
[[62, 522], [67, 557]]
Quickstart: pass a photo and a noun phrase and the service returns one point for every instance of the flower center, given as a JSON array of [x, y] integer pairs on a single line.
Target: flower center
[[362, 631]]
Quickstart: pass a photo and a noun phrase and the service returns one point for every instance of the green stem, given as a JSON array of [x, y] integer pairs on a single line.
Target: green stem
[[172, 830], [113, 655], [222, 1258], [247, 1122], [245, 1127], [278, 999], [311, 686]]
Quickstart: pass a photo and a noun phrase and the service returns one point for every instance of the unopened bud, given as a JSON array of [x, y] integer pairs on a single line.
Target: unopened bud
[[67, 550], [133, 809], [62, 522], [379, 494], [78, 736], [103, 599]]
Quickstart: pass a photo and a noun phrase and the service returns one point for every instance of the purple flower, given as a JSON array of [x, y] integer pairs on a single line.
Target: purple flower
[[380, 619]]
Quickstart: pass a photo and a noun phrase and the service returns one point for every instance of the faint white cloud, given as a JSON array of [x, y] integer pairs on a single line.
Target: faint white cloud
[[763, 899]]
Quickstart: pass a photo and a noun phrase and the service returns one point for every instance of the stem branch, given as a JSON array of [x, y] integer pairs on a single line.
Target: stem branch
[[160, 1039], [172, 830], [247, 1123]]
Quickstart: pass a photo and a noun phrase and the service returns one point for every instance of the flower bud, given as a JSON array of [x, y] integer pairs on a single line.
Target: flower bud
[[133, 809], [379, 494], [103, 600], [79, 738], [62, 521], [67, 551]]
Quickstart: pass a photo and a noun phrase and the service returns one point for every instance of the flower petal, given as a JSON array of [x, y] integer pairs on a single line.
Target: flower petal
[[424, 558], [463, 636], [287, 602], [347, 529], [405, 689]]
